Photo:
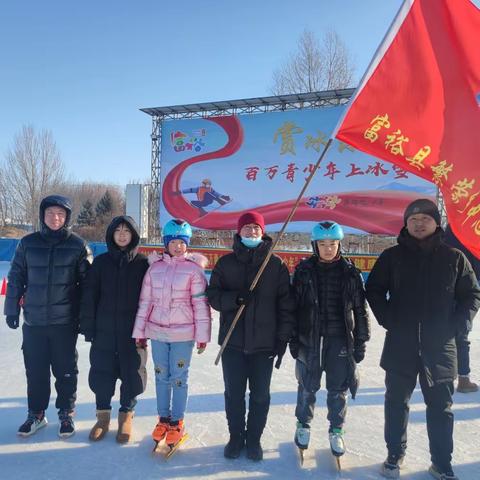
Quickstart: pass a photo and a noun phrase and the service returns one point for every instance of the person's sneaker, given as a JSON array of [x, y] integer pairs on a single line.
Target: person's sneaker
[[161, 429], [391, 466], [33, 422], [175, 432], [337, 444], [302, 435], [447, 474], [67, 427], [254, 450], [465, 385], [235, 445]]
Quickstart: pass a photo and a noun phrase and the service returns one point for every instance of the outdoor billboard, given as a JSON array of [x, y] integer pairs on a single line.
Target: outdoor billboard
[[216, 168]]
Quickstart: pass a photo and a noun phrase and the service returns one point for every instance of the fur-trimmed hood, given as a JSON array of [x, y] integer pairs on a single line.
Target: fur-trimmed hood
[[194, 257]]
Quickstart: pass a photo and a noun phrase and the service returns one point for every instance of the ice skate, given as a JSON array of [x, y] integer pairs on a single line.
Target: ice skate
[[175, 437], [160, 431], [337, 445], [302, 439]]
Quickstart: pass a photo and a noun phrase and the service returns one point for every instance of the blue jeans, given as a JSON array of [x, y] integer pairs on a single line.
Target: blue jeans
[[171, 362]]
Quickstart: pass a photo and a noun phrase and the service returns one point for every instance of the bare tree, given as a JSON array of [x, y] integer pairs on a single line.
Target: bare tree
[[315, 66], [32, 170], [4, 198]]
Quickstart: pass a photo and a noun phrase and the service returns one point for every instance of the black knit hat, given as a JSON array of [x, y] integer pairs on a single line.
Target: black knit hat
[[425, 206]]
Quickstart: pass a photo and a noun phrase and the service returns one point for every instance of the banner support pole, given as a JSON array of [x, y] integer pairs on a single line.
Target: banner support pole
[[272, 247]]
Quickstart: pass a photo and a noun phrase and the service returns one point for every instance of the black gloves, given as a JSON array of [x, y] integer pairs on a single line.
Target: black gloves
[[359, 352], [88, 337], [13, 321], [244, 297], [280, 348]]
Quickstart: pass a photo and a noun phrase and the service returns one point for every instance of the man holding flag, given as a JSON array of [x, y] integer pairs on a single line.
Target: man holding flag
[[418, 106], [421, 291]]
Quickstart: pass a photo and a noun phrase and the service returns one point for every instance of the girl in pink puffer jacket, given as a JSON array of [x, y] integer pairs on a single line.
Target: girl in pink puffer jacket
[[174, 313]]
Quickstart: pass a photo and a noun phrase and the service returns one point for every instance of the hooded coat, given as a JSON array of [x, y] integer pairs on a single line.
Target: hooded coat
[[422, 293], [48, 270], [109, 306]]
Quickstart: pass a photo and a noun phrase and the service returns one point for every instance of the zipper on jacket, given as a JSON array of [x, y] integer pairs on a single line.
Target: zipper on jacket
[[49, 283], [321, 351], [420, 339]]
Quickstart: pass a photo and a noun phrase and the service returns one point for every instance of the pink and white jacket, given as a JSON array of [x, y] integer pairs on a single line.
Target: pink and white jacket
[[173, 305]]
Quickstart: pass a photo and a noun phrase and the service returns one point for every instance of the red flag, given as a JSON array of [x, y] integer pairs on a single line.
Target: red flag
[[419, 105]]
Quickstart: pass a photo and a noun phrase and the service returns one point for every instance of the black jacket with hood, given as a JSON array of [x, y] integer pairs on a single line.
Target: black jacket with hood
[[49, 271], [268, 317], [110, 301], [422, 292]]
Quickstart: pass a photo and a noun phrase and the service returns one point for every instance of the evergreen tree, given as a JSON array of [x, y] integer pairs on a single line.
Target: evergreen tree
[[86, 217], [104, 207]]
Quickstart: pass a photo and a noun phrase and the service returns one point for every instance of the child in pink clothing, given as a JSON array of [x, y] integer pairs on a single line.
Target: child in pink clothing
[[174, 313]]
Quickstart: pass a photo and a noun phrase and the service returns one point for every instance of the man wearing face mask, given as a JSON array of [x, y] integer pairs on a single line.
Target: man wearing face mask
[[261, 333]]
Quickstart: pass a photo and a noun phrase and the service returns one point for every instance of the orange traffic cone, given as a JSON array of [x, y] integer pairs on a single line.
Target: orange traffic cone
[[3, 290]]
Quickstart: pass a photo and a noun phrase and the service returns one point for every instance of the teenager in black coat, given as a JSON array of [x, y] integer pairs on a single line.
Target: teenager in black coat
[[107, 317], [45, 280], [332, 329]]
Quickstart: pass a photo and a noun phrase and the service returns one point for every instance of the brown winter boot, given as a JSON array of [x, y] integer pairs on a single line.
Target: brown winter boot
[[124, 426], [100, 429], [465, 385]]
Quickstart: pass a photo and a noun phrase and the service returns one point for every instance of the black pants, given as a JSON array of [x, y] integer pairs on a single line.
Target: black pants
[[107, 366], [438, 400], [463, 352], [237, 369], [335, 364], [50, 347]]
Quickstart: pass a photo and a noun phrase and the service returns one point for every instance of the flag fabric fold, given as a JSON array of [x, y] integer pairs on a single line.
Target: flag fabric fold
[[418, 105]]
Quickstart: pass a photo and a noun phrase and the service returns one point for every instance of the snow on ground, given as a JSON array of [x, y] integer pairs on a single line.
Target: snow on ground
[[45, 456]]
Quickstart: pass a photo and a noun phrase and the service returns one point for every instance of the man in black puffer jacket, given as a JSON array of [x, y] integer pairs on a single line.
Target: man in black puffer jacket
[[331, 332], [46, 278], [262, 332], [421, 291], [109, 306]]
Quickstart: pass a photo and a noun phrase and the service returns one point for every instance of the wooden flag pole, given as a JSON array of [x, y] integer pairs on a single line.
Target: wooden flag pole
[[274, 244]]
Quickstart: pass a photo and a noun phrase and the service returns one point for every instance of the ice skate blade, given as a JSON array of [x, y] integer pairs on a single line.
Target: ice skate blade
[[173, 448], [301, 455]]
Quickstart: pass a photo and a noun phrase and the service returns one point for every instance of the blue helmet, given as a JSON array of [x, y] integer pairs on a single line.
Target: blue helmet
[[176, 229], [327, 230]]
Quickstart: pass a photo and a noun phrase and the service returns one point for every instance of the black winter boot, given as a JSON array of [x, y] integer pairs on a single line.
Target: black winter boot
[[254, 450], [234, 446]]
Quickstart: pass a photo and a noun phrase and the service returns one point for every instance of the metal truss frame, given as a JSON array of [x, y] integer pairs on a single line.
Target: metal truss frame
[[212, 109]]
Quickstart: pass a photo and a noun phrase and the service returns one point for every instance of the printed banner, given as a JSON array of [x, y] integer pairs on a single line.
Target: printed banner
[[215, 169]]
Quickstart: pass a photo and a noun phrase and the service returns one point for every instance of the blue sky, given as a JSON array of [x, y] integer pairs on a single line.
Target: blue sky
[[83, 69]]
